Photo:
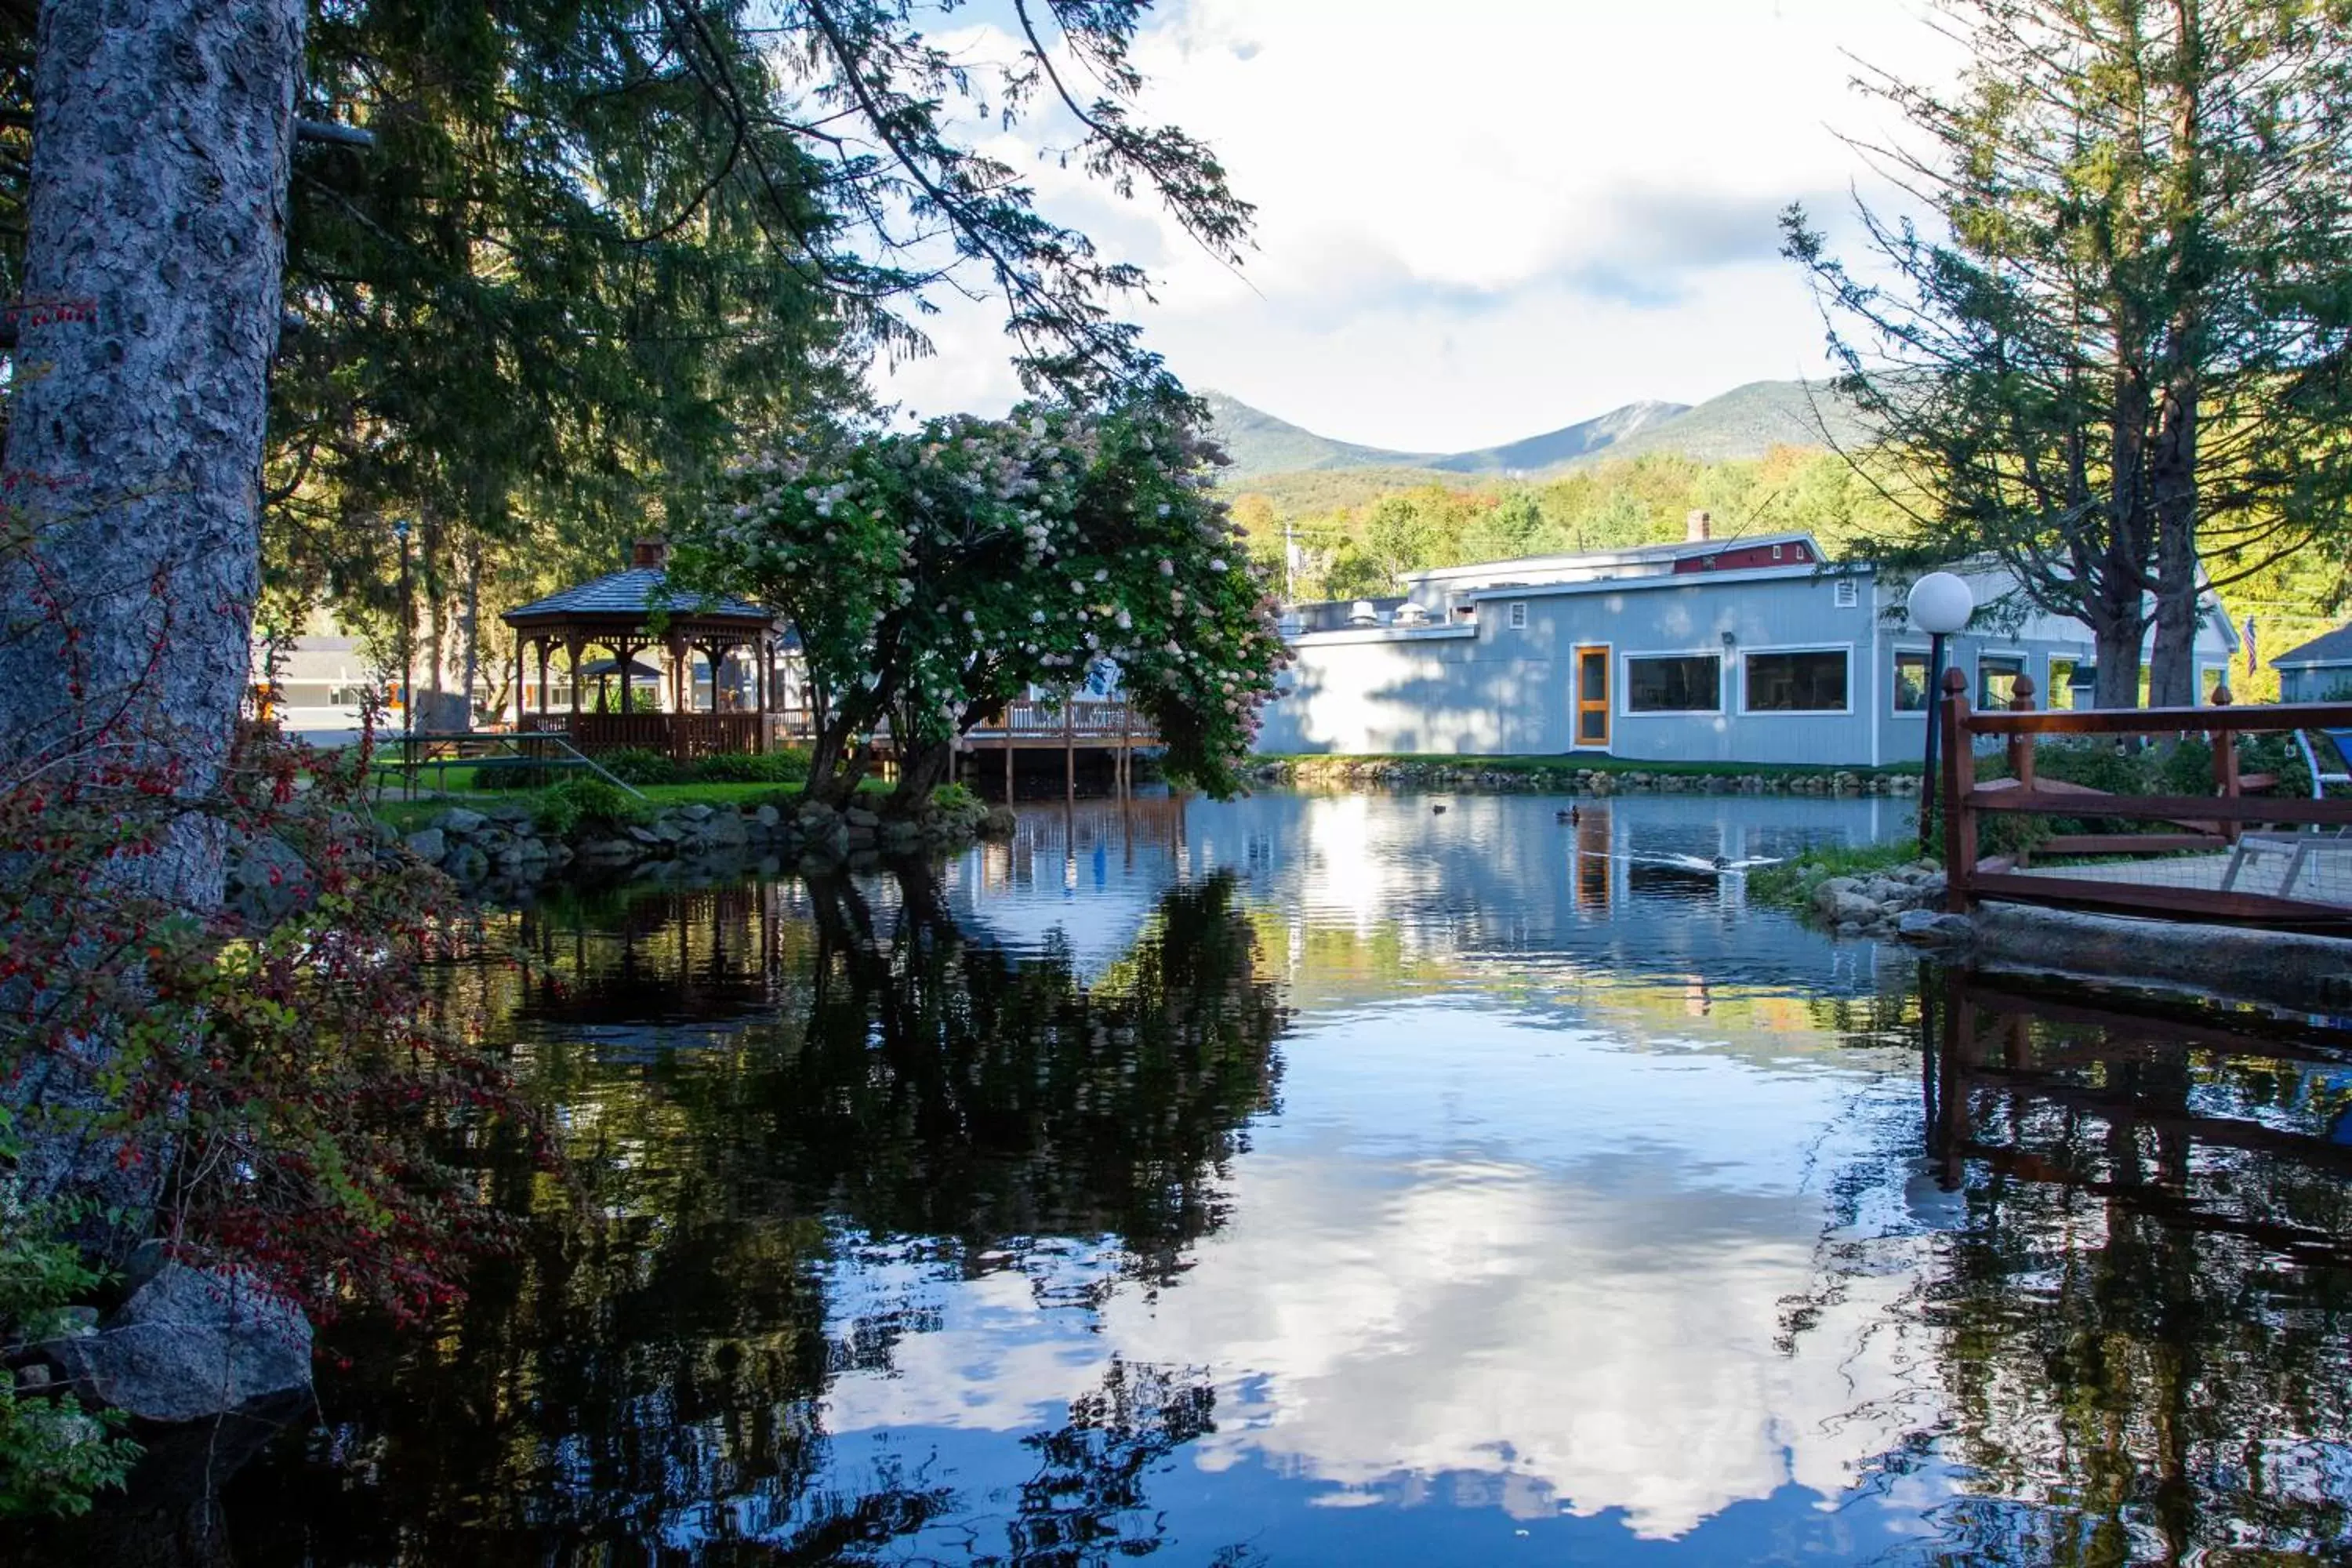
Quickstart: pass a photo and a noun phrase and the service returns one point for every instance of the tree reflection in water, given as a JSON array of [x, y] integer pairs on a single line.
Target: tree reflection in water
[[2139, 1318], [642, 1383]]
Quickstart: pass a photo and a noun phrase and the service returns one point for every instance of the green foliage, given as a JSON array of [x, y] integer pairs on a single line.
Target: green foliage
[[635, 765], [583, 799], [787, 765], [2114, 362], [935, 575], [1361, 530], [1792, 883], [54, 1454], [954, 798]]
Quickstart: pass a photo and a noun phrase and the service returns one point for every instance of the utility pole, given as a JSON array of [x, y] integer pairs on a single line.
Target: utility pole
[[1289, 560]]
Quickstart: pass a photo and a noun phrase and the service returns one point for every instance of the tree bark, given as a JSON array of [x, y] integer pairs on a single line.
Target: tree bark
[[922, 768], [472, 626], [153, 268]]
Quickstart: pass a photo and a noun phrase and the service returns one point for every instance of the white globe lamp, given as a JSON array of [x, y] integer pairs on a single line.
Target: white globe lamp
[[1941, 604]]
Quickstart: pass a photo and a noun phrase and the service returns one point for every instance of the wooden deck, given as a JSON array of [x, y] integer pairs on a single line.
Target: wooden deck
[[2178, 865]]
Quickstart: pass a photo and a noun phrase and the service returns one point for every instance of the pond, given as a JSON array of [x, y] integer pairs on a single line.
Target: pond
[[1337, 1179]]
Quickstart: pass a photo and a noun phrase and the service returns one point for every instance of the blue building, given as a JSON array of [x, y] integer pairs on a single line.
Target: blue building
[[1748, 650], [2318, 671]]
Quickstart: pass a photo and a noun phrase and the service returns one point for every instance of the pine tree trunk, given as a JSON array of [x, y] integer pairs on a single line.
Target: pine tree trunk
[[153, 270], [472, 627]]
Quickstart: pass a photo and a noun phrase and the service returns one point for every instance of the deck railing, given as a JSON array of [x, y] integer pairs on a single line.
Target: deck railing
[[687, 737], [2165, 874], [1086, 723]]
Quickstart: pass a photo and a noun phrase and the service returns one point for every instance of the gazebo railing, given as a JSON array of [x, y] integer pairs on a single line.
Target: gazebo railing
[[687, 737]]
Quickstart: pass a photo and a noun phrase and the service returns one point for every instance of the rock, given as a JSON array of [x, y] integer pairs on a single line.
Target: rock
[[428, 845], [461, 822], [191, 1343], [858, 838], [768, 816], [1826, 896], [1002, 822], [271, 878], [1929, 929], [646, 836], [33, 1376], [697, 812], [728, 830], [1853, 908], [466, 863], [858, 817], [669, 830]]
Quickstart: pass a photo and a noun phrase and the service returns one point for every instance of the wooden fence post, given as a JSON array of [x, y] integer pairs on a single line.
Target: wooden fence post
[[1959, 777], [2225, 760], [2021, 748]]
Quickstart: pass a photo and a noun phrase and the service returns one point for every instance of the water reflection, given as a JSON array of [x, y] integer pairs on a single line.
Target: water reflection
[[1311, 1180]]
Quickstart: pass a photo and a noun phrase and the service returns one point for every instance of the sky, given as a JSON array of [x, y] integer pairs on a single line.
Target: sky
[[1481, 220]]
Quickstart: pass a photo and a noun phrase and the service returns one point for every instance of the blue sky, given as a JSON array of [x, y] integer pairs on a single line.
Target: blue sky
[[1483, 218]]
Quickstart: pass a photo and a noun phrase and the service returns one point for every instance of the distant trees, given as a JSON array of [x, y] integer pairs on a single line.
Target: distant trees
[[2127, 369], [1358, 534]]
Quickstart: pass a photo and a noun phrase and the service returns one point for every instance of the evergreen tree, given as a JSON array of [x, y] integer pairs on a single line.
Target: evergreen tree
[[2125, 368]]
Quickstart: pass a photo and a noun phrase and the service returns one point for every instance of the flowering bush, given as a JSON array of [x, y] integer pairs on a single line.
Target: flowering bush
[[267, 1078], [935, 575]]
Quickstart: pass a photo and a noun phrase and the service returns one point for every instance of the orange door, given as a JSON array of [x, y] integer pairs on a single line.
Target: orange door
[[1592, 697]]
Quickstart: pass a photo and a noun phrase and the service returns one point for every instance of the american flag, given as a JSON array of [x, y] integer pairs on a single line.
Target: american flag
[[2250, 644]]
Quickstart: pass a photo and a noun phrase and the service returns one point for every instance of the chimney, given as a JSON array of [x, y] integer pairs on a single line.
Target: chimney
[[1698, 526], [653, 552]]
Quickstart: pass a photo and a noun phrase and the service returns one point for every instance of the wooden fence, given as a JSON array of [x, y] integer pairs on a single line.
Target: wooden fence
[[687, 737], [2182, 884]]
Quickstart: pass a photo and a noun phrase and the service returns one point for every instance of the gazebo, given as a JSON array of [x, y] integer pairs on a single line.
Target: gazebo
[[615, 614]]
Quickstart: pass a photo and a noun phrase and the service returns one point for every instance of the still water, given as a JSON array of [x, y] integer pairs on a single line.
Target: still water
[[1333, 1180]]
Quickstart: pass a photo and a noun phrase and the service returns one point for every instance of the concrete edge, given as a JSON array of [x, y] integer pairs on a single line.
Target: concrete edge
[[2301, 972]]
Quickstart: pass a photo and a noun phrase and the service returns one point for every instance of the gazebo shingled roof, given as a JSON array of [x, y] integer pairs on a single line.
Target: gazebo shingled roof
[[616, 611], [637, 590]]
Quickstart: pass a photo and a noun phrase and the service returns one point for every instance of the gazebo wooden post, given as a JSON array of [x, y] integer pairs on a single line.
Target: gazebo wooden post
[[627, 656], [542, 676], [760, 687]]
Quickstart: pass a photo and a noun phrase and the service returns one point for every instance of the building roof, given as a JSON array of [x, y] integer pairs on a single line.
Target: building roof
[[2332, 648], [1534, 569], [638, 590]]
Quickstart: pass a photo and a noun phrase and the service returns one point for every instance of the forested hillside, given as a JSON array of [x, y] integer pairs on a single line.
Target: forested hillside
[[1745, 423]]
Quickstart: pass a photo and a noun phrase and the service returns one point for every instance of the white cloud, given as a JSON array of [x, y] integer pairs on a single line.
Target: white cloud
[[1488, 218]]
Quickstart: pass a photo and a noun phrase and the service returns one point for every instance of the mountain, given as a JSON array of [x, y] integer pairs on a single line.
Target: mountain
[[1745, 422], [1258, 442]]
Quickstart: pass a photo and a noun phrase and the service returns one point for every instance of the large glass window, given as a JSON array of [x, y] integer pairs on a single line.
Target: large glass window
[[1910, 683], [1997, 682], [1678, 683], [1797, 682]]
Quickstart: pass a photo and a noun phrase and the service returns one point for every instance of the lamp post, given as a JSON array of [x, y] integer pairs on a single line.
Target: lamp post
[[408, 713], [1941, 604]]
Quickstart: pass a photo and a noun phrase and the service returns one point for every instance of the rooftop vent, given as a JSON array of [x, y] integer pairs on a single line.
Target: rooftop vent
[[1361, 614], [653, 552], [1698, 526]]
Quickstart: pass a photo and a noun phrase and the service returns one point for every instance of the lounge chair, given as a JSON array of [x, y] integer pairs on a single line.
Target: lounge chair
[[2299, 846]]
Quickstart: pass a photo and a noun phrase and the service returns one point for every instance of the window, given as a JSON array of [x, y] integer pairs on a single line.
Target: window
[[1776, 552], [1674, 683], [1519, 614], [1997, 680], [1911, 673], [1813, 682], [2063, 690], [1849, 593]]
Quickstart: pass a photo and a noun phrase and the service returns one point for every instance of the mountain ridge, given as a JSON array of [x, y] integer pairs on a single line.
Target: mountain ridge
[[1745, 422]]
